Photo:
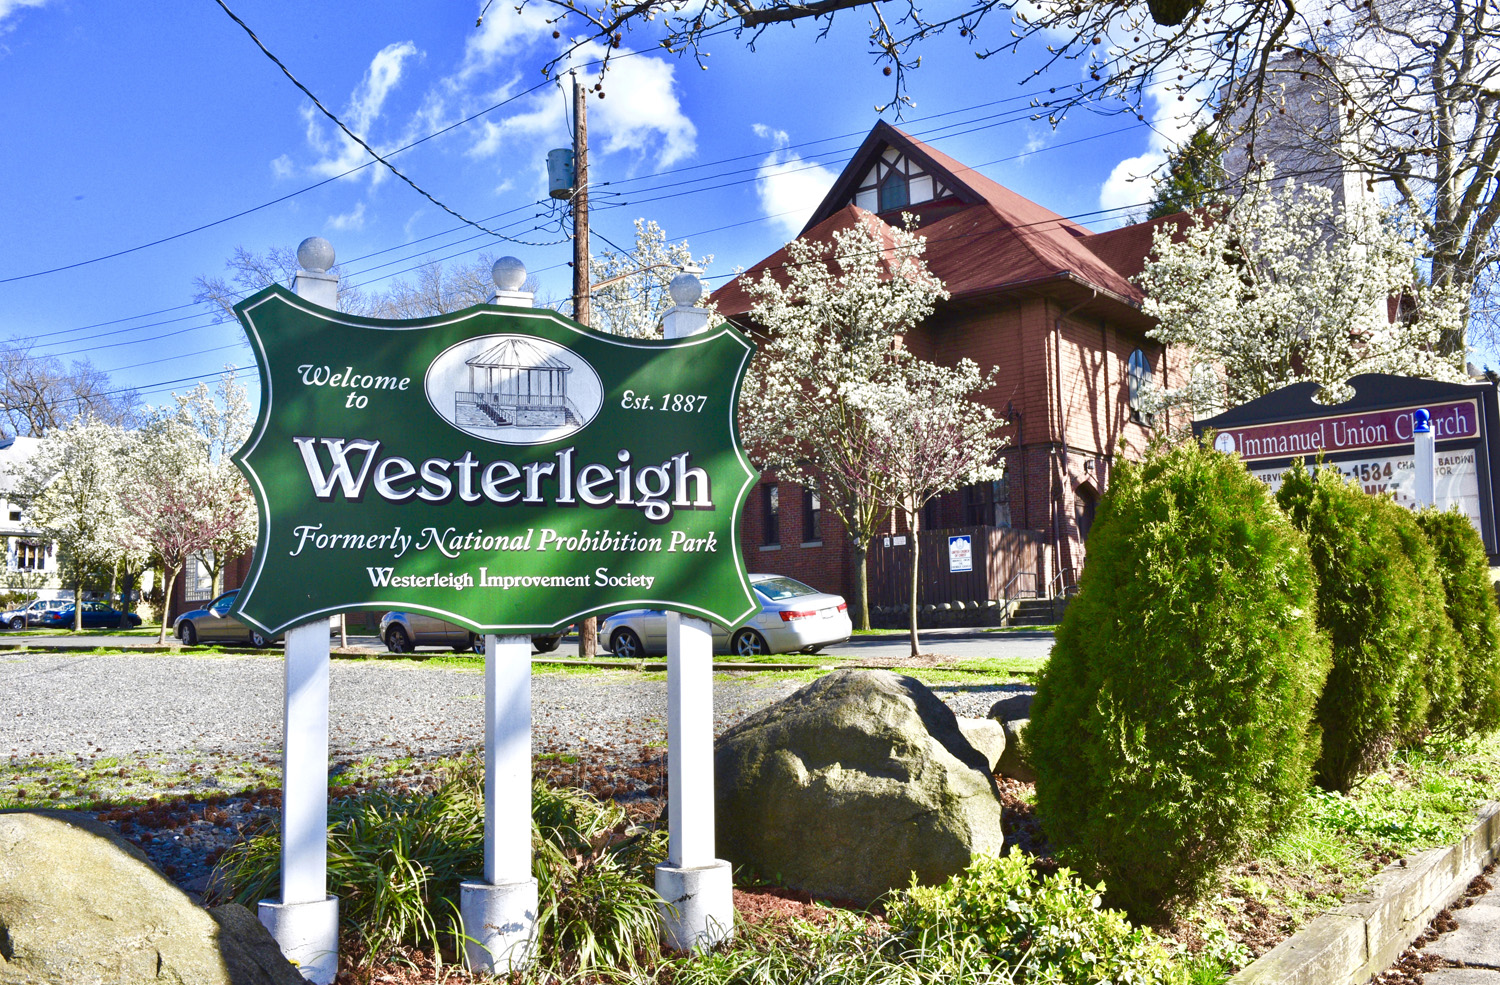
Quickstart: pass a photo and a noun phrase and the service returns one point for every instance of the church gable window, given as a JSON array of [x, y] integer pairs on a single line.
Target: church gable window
[[895, 181]]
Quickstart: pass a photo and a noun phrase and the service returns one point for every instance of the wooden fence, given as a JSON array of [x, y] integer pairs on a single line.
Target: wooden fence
[[1005, 562]]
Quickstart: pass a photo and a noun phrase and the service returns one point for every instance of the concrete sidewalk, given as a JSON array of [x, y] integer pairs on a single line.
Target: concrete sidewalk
[[1475, 943]]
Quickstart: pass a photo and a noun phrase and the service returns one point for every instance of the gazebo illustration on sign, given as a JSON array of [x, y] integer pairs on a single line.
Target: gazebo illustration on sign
[[515, 383]]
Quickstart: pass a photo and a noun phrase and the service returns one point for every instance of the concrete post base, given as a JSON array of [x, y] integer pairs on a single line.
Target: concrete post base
[[500, 924], [699, 905], [308, 934]]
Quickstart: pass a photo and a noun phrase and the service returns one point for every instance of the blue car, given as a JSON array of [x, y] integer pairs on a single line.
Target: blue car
[[96, 614]]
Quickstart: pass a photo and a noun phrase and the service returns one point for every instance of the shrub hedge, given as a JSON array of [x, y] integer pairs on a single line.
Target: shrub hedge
[[1380, 599], [1469, 704], [1172, 727]]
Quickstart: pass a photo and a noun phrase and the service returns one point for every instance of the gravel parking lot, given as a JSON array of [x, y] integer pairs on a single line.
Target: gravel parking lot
[[62, 705]]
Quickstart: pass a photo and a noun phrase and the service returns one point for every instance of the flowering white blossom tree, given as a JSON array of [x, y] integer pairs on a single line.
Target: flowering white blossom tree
[[1280, 288], [925, 437], [167, 492], [223, 418], [70, 489], [633, 306], [832, 322]]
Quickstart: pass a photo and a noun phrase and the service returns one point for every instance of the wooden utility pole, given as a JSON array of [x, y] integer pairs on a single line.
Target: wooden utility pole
[[588, 629]]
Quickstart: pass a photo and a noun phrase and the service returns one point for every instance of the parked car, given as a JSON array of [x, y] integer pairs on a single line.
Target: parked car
[[96, 614], [30, 614], [403, 632], [793, 617], [213, 622]]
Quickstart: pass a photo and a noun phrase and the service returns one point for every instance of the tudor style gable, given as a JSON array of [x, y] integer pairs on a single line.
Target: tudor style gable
[[891, 173]]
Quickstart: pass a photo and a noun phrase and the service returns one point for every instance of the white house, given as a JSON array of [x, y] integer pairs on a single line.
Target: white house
[[30, 558]]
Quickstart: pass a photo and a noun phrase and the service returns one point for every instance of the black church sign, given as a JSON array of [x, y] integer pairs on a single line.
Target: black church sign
[[1369, 438]]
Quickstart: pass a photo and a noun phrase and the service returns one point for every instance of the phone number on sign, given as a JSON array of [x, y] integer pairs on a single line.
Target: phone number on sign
[[1368, 471]]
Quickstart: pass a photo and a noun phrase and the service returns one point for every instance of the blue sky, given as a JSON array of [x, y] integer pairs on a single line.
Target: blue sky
[[129, 123]]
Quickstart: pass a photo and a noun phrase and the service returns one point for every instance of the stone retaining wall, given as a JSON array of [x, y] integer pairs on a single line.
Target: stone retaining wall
[[1363, 937]]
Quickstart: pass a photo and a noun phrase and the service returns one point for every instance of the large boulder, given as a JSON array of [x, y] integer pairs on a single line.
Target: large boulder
[[1015, 760], [987, 736], [79, 905], [1015, 705], [850, 785]]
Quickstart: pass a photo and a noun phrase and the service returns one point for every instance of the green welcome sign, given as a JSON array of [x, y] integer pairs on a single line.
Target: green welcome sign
[[503, 468]]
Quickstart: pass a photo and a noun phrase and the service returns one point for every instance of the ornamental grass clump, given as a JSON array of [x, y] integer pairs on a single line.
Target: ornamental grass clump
[[1468, 704], [396, 859], [1380, 600], [1172, 727]]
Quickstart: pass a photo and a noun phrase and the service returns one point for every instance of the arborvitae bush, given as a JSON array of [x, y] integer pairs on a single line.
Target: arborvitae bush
[[1172, 727], [1381, 602], [1468, 703]]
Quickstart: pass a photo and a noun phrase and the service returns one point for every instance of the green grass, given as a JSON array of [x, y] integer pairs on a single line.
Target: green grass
[[142, 630], [81, 782]]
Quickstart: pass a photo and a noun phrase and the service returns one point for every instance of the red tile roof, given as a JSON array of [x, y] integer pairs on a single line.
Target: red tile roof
[[994, 240]]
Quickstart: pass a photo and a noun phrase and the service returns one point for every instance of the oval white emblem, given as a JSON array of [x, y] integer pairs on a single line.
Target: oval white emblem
[[514, 389], [1224, 442]]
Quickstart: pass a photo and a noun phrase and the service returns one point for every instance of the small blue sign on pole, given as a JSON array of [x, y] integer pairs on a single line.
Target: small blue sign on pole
[[960, 553]]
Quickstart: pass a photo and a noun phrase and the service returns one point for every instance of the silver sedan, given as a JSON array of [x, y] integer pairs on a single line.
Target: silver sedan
[[793, 617]]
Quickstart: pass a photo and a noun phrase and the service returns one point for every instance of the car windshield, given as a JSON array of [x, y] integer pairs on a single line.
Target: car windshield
[[779, 588]]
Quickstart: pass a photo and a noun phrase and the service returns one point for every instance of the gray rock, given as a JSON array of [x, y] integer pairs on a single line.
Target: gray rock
[[847, 787], [986, 735], [1015, 762], [1015, 706], [79, 905]]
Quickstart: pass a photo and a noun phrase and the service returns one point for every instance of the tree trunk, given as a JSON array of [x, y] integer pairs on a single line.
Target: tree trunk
[[916, 648], [166, 601], [114, 584], [861, 585], [125, 599], [78, 604]]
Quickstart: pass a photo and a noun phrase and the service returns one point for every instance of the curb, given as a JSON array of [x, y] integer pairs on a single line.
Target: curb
[[1363, 937]]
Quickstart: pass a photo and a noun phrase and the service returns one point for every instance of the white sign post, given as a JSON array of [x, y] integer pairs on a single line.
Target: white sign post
[[499, 914], [697, 888], [305, 921], [1424, 453]]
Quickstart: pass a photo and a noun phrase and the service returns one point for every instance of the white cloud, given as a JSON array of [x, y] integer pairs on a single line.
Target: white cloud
[[503, 34], [639, 114], [354, 219], [283, 167], [366, 104], [8, 9], [1131, 182], [789, 187]]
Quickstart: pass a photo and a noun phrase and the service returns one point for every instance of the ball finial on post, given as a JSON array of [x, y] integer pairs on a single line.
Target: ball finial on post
[[315, 254], [509, 274], [685, 289]]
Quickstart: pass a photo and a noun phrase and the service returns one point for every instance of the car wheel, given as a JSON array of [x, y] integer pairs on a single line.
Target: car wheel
[[749, 643], [468, 645], [626, 645], [187, 634], [18, 623], [397, 641], [546, 644], [258, 640], [476, 643]]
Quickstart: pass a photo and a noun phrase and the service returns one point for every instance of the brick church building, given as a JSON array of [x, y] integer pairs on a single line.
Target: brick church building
[[1048, 302]]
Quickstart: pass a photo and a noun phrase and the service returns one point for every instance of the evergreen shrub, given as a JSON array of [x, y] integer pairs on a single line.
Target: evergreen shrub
[[1172, 727], [1468, 703], [1380, 600], [1035, 928]]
